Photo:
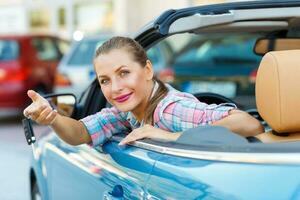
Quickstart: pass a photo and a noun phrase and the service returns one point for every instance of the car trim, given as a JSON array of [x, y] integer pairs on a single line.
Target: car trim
[[198, 20], [159, 28], [240, 157]]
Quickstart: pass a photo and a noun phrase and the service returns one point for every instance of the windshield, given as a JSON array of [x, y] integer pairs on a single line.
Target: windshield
[[9, 50], [84, 52]]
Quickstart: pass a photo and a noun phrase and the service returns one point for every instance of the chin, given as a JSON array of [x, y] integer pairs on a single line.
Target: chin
[[125, 107]]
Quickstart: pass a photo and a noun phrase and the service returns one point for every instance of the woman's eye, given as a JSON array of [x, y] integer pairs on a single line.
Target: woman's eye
[[124, 73], [103, 82]]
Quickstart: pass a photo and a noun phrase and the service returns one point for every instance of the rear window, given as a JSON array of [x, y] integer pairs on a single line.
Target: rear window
[[9, 50], [84, 52], [46, 49]]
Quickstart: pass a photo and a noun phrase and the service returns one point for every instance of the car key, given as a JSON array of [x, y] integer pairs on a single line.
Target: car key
[[29, 135]]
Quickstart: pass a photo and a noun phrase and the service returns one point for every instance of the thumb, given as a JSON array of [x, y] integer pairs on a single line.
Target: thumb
[[34, 96]]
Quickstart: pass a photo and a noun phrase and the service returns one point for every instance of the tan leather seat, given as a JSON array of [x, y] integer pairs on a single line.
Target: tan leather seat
[[278, 95]]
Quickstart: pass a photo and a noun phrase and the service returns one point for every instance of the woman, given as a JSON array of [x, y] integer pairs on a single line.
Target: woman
[[143, 106]]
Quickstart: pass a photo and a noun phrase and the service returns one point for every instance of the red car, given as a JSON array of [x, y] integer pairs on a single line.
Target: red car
[[26, 62]]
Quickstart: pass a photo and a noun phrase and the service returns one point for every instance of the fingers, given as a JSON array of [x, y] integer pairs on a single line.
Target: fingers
[[137, 134], [33, 111], [38, 106], [42, 114], [151, 132], [34, 96], [129, 138]]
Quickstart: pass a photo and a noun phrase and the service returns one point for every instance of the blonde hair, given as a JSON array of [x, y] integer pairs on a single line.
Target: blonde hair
[[138, 55]]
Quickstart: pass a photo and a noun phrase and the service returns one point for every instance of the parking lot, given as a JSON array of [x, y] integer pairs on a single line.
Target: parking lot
[[15, 158]]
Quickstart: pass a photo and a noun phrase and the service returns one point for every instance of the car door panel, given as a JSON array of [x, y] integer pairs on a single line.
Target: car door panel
[[202, 179], [84, 173]]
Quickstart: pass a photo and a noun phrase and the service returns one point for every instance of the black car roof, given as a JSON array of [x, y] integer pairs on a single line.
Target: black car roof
[[159, 27]]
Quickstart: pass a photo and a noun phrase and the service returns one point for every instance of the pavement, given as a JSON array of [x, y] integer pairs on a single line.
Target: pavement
[[14, 160]]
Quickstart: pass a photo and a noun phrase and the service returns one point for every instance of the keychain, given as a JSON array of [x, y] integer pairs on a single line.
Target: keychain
[[29, 135]]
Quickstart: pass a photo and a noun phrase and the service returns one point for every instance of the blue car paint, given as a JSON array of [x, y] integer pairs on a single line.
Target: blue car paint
[[36, 172], [172, 177], [128, 167], [200, 179]]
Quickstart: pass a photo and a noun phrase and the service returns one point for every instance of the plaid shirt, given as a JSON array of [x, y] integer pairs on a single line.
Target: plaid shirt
[[176, 112]]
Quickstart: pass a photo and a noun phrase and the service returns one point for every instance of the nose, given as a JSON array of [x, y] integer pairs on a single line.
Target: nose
[[116, 86]]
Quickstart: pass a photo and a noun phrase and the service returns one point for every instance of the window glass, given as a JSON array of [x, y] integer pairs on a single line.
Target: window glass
[[153, 55], [46, 49], [83, 54], [63, 46], [9, 50], [220, 63], [159, 55]]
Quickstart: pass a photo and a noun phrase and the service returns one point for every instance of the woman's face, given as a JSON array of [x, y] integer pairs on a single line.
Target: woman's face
[[125, 83]]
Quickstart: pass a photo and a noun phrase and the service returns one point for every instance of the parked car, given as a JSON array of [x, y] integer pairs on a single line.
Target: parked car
[[75, 70], [27, 62], [207, 162], [210, 63]]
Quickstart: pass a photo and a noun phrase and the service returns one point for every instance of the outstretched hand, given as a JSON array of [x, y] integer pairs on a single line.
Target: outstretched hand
[[39, 110], [148, 131]]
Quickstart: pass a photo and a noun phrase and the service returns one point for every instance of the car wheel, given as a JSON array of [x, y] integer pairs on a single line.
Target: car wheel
[[35, 192]]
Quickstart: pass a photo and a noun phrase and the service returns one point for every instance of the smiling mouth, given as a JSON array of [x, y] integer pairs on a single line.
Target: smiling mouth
[[123, 98]]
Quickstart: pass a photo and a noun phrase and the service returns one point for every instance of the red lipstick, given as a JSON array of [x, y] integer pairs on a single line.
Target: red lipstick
[[123, 98]]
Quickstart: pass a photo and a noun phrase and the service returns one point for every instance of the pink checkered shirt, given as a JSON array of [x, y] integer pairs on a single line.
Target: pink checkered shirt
[[176, 112]]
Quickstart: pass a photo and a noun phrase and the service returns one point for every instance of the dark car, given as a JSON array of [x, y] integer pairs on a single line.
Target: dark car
[[207, 162], [27, 62]]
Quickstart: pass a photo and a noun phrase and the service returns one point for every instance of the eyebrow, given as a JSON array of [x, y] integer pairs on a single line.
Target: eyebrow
[[117, 70]]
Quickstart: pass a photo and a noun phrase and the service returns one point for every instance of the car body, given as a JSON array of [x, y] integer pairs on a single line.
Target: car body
[[213, 164], [26, 62], [75, 70]]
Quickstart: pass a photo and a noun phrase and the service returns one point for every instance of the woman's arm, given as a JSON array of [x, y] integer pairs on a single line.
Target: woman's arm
[[241, 123], [68, 129], [71, 130], [237, 121]]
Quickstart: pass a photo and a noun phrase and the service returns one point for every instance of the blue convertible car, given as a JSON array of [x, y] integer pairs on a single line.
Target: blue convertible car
[[242, 52]]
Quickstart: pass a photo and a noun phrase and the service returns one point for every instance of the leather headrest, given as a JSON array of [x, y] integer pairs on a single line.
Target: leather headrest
[[278, 90]]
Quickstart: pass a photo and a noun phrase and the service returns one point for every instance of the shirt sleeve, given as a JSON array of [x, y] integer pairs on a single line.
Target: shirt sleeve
[[102, 125], [183, 114]]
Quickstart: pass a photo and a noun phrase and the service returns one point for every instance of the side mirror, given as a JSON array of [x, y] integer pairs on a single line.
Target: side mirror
[[264, 45], [63, 103]]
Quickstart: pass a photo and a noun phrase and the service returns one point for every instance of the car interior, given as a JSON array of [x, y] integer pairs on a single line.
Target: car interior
[[277, 96]]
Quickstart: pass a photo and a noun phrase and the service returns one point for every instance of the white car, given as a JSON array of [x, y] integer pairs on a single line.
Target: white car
[[75, 71]]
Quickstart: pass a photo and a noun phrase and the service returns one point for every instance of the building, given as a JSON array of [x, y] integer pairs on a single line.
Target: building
[[73, 18]]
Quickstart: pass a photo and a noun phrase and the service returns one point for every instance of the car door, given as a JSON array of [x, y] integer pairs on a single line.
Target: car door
[[214, 175], [86, 173], [83, 172]]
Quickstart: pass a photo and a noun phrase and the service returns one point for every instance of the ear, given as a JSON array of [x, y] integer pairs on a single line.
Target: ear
[[149, 70]]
